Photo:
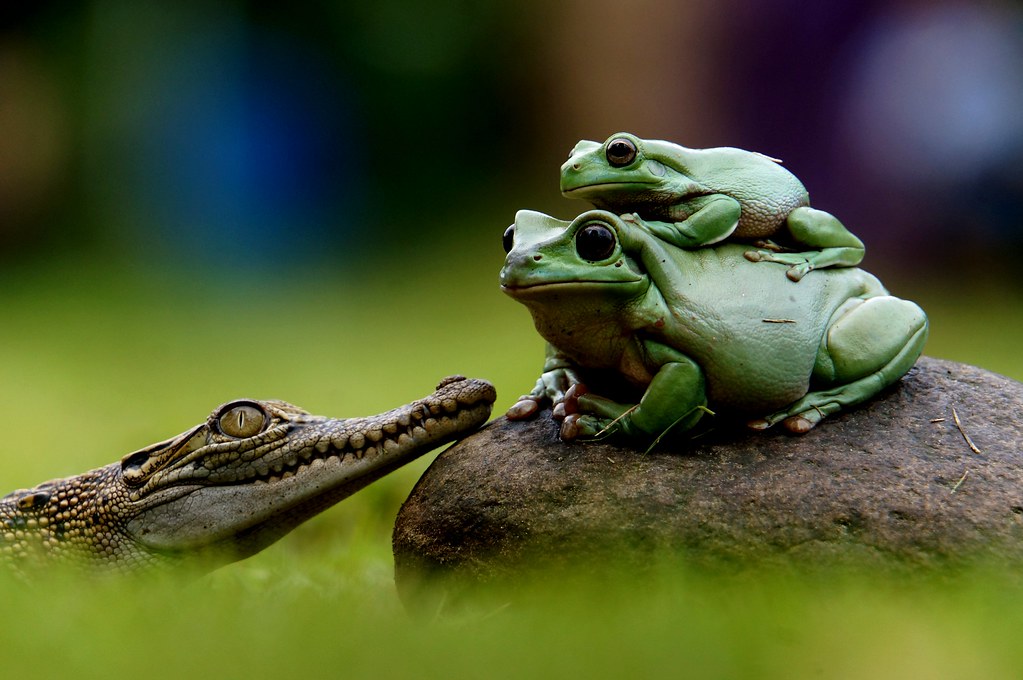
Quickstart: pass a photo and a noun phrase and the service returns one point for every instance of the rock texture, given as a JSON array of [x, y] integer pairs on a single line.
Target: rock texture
[[893, 482]]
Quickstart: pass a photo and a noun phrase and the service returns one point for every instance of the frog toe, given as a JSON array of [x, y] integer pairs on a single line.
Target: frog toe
[[802, 423], [575, 426], [759, 424], [525, 407], [797, 272], [569, 428], [570, 404]]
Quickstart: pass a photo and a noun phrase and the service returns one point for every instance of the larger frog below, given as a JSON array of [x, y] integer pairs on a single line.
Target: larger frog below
[[696, 197], [643, 336]]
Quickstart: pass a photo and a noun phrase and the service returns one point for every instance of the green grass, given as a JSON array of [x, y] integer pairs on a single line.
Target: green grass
[[96, 362]]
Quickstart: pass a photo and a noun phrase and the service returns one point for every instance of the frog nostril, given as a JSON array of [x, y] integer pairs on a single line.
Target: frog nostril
[[537, 258], [575, 166]]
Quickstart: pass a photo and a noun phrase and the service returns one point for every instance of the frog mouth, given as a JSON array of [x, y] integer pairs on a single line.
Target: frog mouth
[[581, 285], [615, 186]]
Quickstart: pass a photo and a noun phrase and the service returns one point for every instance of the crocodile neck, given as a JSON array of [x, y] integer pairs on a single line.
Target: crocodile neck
[[228, 487]]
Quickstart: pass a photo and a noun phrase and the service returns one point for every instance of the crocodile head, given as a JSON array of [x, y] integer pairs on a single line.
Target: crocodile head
[[257, 469]]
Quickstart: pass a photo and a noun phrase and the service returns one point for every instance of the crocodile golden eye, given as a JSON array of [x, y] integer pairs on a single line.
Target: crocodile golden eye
[[620, 152], [242, 420], [595, 242], [509, 238]]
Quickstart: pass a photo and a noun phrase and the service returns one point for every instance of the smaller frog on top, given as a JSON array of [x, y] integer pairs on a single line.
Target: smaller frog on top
[[696, 197]]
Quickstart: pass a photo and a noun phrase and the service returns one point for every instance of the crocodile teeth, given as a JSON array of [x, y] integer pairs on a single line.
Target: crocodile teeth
[[357, 440], [322, 445], [374, 435]]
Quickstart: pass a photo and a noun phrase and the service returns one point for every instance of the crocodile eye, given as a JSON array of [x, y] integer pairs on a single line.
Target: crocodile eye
[[620, 152], [595, 242], [509, 238], [242, 420], [132, 466]]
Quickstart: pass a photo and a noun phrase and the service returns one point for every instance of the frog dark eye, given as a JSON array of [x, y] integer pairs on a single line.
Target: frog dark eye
[[595, 242], [620, 152], [242, 419], [509, 238]]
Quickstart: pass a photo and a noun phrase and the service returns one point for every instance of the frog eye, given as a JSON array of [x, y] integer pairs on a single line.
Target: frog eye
[[595, 242], [242, 419], [620, 152], [509, 238]]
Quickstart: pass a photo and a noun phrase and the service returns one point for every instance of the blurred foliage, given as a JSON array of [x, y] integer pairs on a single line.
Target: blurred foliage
[[336, 623]]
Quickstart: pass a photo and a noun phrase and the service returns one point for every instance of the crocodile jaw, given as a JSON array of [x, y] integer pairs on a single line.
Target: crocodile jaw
[[228, 522]]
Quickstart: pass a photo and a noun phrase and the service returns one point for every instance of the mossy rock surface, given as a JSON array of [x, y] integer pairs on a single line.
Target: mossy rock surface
[[892, 483]]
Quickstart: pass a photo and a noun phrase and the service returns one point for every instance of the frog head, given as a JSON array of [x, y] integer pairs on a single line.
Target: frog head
[[550, 259], [623, 165]]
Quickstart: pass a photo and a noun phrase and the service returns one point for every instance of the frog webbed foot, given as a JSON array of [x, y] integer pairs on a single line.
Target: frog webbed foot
[[551, 388], [588, 416], [768, 244], [798, 420], [824, 240], [801, 264]]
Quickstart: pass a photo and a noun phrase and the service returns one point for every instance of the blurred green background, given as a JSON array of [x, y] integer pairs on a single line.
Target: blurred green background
[[204, 201]]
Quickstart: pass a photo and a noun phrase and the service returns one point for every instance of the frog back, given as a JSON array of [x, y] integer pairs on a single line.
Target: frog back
[[765, 190], [755, 333]]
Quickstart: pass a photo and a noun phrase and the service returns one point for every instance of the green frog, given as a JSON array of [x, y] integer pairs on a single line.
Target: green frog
[[697, 197], [644, 337]]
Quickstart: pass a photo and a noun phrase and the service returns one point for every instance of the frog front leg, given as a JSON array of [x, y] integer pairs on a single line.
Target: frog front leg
[[559, 375], [835, 246], [711, 219], [675, 400], [869, 345]]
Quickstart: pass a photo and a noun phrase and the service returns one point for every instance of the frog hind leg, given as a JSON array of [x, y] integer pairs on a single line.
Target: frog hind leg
[[832, 244], [674, 400], [869, 345]]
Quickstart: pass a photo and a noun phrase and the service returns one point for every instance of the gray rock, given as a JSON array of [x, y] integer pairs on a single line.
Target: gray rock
[[893, 483]]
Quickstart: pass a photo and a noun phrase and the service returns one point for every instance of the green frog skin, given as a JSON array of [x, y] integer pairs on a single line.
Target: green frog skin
[[697, 197], [690, 330]]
